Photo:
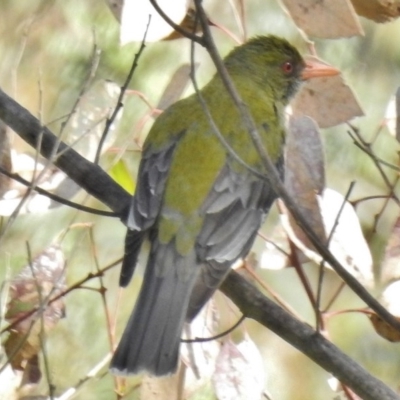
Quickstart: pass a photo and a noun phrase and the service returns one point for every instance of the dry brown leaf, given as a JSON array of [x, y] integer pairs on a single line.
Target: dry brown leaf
[[377, 10], [30, 289], [325, 210], [188, 24], [304, 173], [329, 19], [328, 101], [383, 329], [304, 140]]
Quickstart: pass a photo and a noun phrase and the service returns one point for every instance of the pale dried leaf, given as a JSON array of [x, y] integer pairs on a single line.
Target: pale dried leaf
[[135, 17], [328, 101], [176, 85], [160, 388], [347, 243], [28, 168], [391, 298], [337, 387], [239, 373], [275, 255], [329, 19], [200, 358], [84, 132], [377, 10], [391, 116]]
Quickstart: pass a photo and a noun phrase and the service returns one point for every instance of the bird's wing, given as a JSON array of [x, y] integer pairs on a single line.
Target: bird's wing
[[152, 176], [146, 203], [234, 211]]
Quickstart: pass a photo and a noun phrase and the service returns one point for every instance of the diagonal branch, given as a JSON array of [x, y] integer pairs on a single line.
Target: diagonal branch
[[86, 174], [304, 338]]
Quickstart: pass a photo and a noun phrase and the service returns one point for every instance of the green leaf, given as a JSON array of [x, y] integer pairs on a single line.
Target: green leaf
[[121, 174]]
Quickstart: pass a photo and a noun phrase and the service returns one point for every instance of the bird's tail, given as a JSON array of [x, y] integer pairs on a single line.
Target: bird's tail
[[133, 243], [151, 338]]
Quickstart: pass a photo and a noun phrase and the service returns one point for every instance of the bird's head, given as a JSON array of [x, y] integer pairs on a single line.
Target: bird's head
[[274, 63]]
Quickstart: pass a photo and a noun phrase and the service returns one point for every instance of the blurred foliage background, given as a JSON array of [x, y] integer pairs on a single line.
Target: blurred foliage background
[[46, 49]]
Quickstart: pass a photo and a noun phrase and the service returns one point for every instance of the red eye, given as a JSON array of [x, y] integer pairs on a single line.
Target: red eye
[[287, 67]]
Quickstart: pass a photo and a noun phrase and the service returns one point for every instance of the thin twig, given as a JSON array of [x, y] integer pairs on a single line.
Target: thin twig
[[76, 285], [59, 199], [124, 88], [319, 318]]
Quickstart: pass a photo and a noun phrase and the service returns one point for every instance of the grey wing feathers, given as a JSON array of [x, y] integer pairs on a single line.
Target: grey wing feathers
[[153, 173], [234, 211], [146, 203]]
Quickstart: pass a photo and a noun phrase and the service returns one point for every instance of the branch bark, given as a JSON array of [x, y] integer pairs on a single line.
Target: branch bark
[[303, 337], [83, 172]]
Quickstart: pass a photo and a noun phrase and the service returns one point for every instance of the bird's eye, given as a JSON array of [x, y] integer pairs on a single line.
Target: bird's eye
[[287, 67]]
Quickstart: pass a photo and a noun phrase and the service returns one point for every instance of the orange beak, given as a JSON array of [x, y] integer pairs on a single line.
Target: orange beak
[[315, 69]]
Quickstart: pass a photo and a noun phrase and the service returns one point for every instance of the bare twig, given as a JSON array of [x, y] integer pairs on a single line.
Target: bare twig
[[124, 88]]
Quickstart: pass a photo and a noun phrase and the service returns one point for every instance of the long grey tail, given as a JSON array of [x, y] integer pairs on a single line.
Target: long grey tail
[[151, 338]]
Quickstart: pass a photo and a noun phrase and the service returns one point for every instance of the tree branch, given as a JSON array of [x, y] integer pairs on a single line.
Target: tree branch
[[83, 172], [303, 337]]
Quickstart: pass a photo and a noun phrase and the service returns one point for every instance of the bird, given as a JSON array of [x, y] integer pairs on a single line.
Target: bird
[[196, 203]]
